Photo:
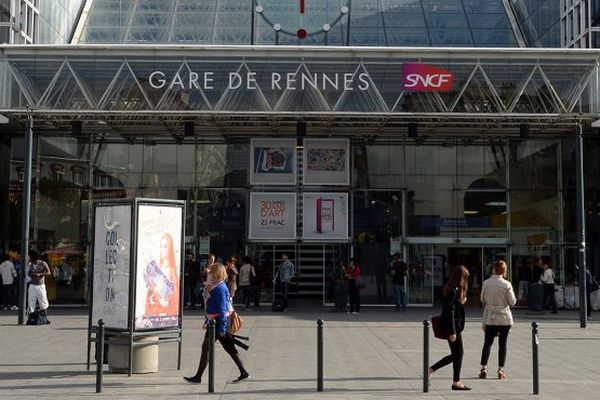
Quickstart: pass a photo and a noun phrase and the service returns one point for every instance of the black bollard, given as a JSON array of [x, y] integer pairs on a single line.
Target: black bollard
[[211, 356], [535, 343], [320, 355], [425, 356], [99, 355]]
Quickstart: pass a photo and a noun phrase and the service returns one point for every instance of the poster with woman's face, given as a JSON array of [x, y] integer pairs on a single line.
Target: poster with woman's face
[[158, 266]]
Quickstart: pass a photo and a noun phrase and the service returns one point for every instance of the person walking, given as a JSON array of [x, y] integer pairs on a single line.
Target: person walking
[[285, 274], [247, 275], [497, 296], [453, 322], [216, 298], [36, 293], [547, 279], [8, 273], [398, 272], [589, 288], [353, 276]]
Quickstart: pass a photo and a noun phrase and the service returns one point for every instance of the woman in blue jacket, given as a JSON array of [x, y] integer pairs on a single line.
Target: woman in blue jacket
[[216, 298]]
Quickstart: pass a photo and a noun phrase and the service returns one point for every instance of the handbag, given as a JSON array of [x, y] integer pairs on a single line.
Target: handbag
[[438, 330], [235, 322]]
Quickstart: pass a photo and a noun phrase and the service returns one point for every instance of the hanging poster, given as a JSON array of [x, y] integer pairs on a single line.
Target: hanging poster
[[112, 244], [273, 162], [158, 266], [326, 162], [272, 216], [204, 245], [395, 245], [325, 216]]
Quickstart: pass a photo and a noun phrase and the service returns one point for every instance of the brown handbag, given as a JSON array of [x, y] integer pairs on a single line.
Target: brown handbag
[[235, 322]]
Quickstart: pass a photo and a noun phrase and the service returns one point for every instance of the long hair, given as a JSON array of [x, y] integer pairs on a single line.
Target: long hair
[[170, 258], [459, 278]]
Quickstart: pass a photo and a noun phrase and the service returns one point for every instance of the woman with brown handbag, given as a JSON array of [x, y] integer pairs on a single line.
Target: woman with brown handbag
[[453, 322], [217, 301]]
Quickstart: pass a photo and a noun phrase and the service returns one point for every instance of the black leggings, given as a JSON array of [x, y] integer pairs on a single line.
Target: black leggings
[[456, 356], [491, 331]]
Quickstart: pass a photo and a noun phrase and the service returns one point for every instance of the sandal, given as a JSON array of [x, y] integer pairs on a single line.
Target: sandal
[[483, 373], [501, 374]]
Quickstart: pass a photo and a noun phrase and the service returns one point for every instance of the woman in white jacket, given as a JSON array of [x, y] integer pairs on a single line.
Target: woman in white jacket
[[497, 296]]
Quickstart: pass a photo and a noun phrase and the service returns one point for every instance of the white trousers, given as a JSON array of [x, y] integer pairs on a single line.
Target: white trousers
[[37, 294]]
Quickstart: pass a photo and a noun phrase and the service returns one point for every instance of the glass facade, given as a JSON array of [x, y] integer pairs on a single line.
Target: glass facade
[[464, 23], [539, 21], [444, 203]]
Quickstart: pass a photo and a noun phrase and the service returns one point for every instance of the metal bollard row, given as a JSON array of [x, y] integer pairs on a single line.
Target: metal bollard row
[[426, 356], [320, 355], [211, 355], [535, 343], [99, 355]]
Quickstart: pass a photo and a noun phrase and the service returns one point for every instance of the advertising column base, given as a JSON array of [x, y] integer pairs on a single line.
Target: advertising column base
[[145, 357]]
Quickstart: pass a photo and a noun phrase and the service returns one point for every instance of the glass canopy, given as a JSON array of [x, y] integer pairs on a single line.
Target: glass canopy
[[445, 23], [486, 88]]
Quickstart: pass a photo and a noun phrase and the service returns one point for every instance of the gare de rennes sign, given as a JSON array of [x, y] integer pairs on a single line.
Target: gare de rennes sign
[[415, 78]]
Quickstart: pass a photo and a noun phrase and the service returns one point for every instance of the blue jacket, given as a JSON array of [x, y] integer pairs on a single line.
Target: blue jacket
[[218, 303]]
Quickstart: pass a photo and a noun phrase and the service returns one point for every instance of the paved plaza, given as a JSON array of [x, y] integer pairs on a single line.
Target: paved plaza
[[374, 355]]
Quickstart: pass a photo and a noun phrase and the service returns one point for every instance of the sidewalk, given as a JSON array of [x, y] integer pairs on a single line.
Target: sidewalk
[[374, 355]]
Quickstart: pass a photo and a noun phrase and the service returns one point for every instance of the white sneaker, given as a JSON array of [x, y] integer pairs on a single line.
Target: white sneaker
[[14, 308]]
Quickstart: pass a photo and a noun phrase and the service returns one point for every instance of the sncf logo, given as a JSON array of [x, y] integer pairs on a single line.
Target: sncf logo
[[426, 78]]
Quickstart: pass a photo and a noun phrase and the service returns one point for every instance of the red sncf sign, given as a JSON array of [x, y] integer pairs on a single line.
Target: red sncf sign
[[426, 78]]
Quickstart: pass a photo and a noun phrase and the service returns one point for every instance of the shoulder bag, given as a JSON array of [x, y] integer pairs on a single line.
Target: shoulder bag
[[438, 330]]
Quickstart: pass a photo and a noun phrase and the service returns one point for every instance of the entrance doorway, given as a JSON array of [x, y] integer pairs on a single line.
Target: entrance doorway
[[317, 268], [430, 266]]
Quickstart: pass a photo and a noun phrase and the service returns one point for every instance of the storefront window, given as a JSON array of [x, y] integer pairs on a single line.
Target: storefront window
[[222, 217]]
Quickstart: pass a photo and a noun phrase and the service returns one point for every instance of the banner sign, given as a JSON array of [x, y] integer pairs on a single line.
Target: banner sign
[[112, 244], [273, 162], [158, 265], [326, 162], [325, 216], [272, 216]]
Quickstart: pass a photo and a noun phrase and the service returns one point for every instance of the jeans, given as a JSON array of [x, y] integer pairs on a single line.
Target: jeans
[[549, 290], [400, 297], [285, 291], [455, 357], [491, 331], [246, 295]]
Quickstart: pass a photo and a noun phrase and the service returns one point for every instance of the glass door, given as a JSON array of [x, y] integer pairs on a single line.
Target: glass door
[[425, 270]]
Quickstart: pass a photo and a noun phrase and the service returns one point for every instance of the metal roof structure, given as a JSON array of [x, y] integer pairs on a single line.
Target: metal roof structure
[[336, 90]]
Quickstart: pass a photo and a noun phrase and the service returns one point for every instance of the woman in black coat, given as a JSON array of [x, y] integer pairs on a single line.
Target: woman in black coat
[[453, 322]]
